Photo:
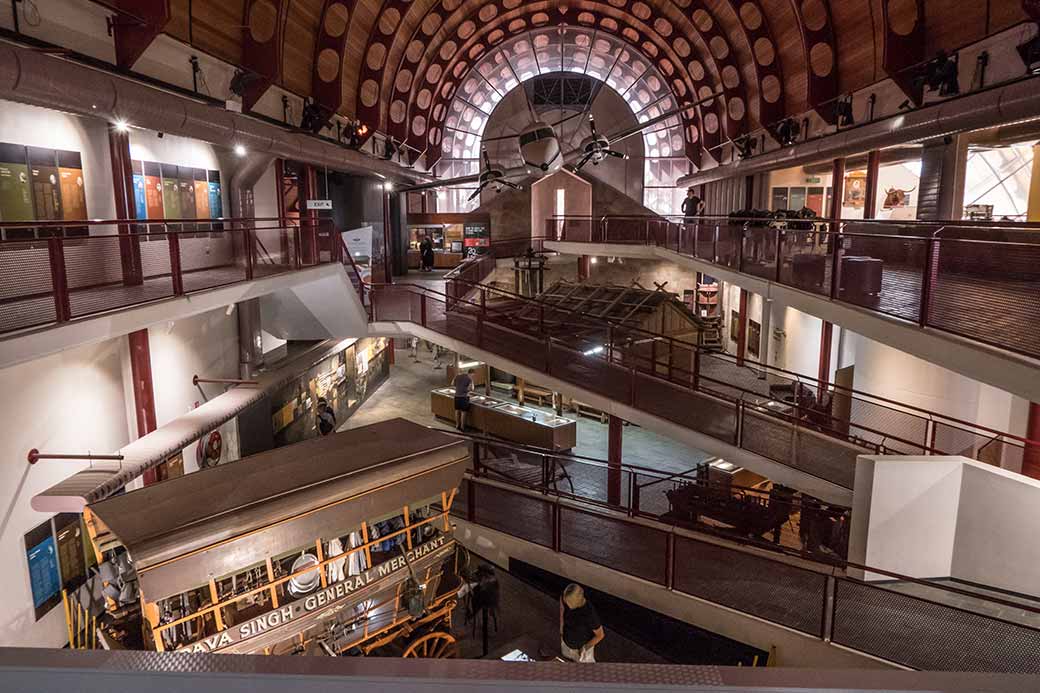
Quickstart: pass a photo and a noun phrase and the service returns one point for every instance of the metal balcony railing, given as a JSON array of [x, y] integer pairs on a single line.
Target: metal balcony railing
[[53, 272], [774, 413], [979, 280]]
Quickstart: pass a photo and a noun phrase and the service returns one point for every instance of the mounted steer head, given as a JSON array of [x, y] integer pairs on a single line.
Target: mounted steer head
[[894, 197]]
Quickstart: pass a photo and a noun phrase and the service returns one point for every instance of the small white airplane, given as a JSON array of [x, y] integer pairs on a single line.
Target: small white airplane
[[541, 153]]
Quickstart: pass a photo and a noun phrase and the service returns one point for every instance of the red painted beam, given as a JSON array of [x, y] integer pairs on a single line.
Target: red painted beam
[[123, 191], [904, 45], [329, 47], [1031, 458], [262, 41], [144, 391], [137, 23], [820, 48], [614, 444]]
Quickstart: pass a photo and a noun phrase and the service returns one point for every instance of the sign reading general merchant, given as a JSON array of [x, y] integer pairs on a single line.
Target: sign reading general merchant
[[313, 602]]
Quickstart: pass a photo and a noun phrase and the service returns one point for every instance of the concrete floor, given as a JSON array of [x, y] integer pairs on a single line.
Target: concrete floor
[[406, 393]]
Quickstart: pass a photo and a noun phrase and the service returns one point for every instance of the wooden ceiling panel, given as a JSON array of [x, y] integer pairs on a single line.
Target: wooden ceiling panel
[[789, 49], [1004, 14], [950, 24], [177, 27], [858, 48], [216, 27], [760, 45], [365, 12], [301, 27]]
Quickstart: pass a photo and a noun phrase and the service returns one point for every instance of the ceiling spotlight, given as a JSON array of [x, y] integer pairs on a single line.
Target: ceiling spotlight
[[240, 150], [315, 118], [122, 126], [787, 132], [745, 146], [388, 186], [940, 75], [843, 111]]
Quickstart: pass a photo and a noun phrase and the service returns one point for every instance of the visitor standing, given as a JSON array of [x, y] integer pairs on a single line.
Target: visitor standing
[[692, 207], [580, 627], [463, 387]]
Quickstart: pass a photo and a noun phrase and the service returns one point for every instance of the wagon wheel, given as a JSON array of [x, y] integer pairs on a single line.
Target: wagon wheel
[[435, 645]]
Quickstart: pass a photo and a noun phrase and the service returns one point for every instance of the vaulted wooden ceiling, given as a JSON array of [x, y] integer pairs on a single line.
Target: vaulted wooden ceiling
[[397, 63]]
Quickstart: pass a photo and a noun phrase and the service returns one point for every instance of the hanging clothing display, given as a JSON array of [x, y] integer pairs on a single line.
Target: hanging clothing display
[[335, 568], [358, 564]]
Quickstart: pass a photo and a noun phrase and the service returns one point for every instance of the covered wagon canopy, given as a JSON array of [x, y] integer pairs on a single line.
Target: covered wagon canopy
[[184, 531]]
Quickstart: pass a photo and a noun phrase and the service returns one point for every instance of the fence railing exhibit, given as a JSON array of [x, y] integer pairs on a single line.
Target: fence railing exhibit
[[779, 415], [978, 280], [53, 272], [929, 633]]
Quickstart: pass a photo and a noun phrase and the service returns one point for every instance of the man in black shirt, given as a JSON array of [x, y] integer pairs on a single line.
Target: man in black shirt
[[580, 627], [692, 206]]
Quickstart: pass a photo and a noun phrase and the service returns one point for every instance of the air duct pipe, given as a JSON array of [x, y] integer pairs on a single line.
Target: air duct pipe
[[1010, 103], [39, 79]]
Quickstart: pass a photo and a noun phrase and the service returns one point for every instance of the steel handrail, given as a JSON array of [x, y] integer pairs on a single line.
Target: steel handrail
[[967, 223], [928, 415], [924, 445], [150, 222], [837, 563]]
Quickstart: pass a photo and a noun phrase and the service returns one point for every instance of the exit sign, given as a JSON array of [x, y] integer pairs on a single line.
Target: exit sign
[[319, 204], [812, 180]]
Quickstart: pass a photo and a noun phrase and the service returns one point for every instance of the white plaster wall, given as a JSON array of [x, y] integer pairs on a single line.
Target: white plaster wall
[[798, 349], [73, 401], [146, 145], [996, 529], [206, 345], [947, 517], [904, 515], [265, 194], [894, 374], [41, 127]]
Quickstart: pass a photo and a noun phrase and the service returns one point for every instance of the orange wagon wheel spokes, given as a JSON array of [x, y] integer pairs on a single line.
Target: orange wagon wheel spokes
[[436, 645]]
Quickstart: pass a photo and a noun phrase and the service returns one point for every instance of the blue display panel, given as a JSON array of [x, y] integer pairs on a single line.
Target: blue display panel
[[41, 554], [216, 204], [140, 207]]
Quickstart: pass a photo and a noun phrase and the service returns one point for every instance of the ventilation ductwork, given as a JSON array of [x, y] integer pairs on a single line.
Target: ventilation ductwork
[[1011, 103], [35, 78]]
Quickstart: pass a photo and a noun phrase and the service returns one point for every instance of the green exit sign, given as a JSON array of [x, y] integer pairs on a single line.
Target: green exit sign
[[812, 180]]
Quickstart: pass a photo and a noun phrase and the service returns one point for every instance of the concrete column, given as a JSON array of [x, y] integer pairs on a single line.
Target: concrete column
[[824, 374], [584, 267], [767, 327], [614, 460], [250, 341], [873, 170], [742, 328], [943, 166], [144, 391]]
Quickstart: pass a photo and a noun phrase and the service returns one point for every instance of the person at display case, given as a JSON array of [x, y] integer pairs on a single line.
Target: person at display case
[[326, 417], [426, 254], [463, 387], [692, 207], [580, 627]]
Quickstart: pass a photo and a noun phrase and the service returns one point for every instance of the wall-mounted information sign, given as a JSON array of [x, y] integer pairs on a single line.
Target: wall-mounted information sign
[[42, 556]]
